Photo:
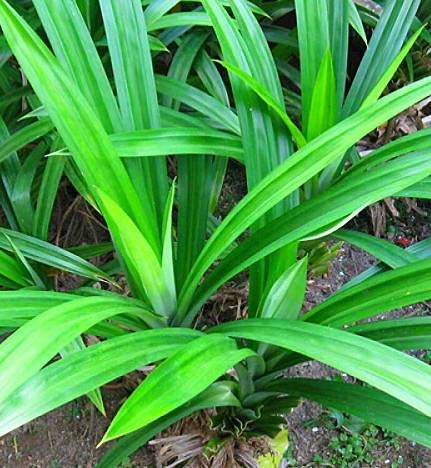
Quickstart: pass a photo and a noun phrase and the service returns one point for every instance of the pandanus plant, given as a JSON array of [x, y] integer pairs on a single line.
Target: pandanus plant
[[304, 183]]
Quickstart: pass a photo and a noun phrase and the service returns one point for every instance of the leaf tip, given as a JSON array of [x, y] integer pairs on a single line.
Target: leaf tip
[[105, 438]]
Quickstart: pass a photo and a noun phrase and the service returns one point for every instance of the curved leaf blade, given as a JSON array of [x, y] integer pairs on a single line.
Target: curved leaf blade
[[85, 370], [379, 409], [292, 173], [189, 371], [217, 395], [401, 376], [177, 140], [21, 358], [387, 291]]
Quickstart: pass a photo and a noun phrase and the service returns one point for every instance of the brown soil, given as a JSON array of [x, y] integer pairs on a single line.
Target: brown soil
[[65, 438]]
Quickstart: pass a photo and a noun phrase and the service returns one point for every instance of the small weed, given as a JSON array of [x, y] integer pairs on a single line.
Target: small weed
[[427, 357], [355, 443], [75, 410], [289, 456]]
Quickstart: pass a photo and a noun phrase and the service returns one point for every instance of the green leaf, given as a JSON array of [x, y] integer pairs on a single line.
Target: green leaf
[[13, 270], [183, 60], [143, 264], [76, 122], [25, 352], [21, 195], [420, 249], [74, 47], [255, 47], [243, 45], [266, 96], [291, 174], [94, 395], [420, 190], [391, 70], [89, 10], [286, 296], [379, 409], [167, 243], [173, 118], [388, 36], [195, 174], [134, 79], [177, 140], [156, 9], [51, 255], [199, 100], [213, 81], [9, 170], [324, 109], [92, 250], [338, 23], [316, 217], [323, 104], [356, 22], [46, 196], [189, 371], [156, 44], [186, 18], [401, 376], [383, 250], [313, 40], [24, 136], [219, 394], [406, 333], [420, 140], [211, 77], [32, 273], [87, 369], [28, 304], [387, 291]]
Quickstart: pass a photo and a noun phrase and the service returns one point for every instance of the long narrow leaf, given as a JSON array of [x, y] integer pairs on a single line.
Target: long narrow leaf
[[401, 376], [142, 262], [385, 251], [134, 78], [55, 328], [189, 370], [218, 394], [317, 217], [387, 291], [82, 371], [78, 125], [177, 140], [50, 255], [379, 409], [296, 170]]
